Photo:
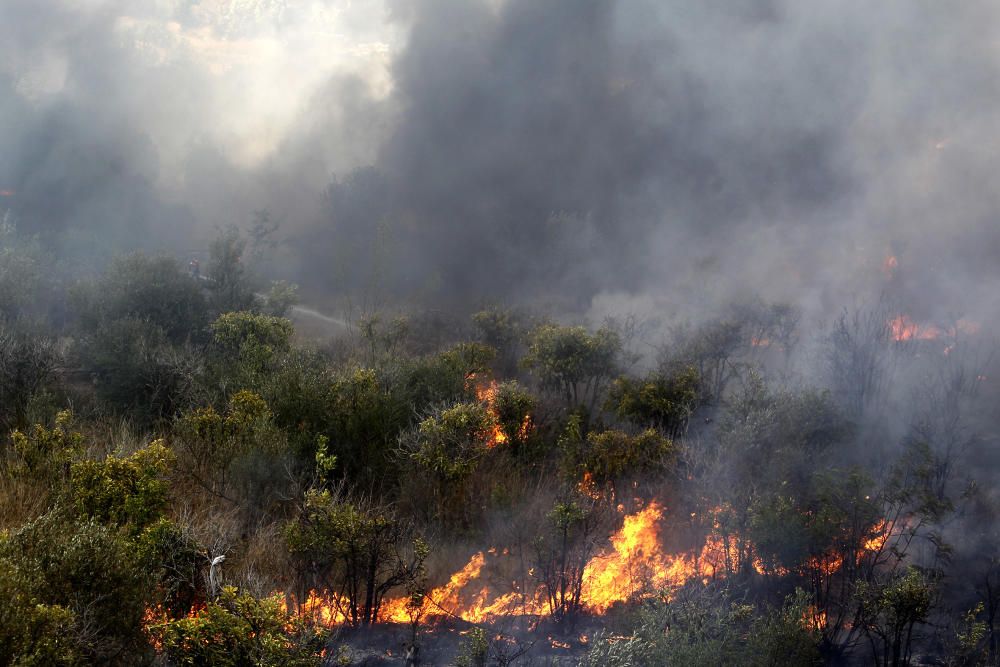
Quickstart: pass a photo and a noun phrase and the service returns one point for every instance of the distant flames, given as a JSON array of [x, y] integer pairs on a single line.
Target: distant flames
[[889, 266], [904, 329]]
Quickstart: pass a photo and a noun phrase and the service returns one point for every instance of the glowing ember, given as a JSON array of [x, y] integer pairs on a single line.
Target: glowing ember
[[814, 618], [889, 266], [588, 486], [488, 394], [827, 564], [877, 537], [903, 328], [7, 193]]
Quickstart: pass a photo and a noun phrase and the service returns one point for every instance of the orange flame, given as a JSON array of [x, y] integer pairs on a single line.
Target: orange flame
[[488, 394], [634, 562], [814, 619], [877, 537], [588, 486], [635, 565], [904, 329]]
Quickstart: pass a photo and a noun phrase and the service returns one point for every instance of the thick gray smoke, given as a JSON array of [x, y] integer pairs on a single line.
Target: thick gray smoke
[[600, 155]]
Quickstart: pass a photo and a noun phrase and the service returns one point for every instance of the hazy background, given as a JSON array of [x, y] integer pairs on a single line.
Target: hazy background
[[658, 156]]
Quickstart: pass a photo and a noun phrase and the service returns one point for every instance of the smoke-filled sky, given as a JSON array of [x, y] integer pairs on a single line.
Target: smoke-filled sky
[[603, 155]]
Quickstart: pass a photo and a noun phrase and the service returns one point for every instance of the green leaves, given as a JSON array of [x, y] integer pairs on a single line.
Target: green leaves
[[46, 453], [356, 549], [889, 608], [252, 338], [239, 629], [90, 580], [572, 362], [32, 632], [156, 290], [609, 455], [703, 628], [450, 442], [660, 400], [124, 491]]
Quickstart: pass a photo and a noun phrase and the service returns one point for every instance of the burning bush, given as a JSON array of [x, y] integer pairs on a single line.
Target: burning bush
[[239, 629], [356, 551]]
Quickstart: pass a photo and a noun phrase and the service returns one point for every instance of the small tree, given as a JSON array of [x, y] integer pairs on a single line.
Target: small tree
[[888, 612], [281, 298], [359, 551], [573, 363], [606, 457], [252, 340], [21, 271], [513, 406], [447, 376], [231, 288], [33, 632], [137, 369], [713, 350], [703, 627], [661, 400], [237, 456], [155, 290], [448, 446], [46, 454], [562, 553], [27, 365], [124, 491], [501, 329]]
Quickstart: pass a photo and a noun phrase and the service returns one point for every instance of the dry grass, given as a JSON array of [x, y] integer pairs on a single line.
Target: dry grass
[[21, 500]]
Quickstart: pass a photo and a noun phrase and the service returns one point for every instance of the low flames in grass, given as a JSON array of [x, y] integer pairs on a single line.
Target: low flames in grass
[[633, 566]]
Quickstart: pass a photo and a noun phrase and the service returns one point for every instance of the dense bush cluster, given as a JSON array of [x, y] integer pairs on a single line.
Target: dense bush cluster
[[215, 469]]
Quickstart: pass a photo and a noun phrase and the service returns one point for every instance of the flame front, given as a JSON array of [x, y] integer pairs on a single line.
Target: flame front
[[634, 565]]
